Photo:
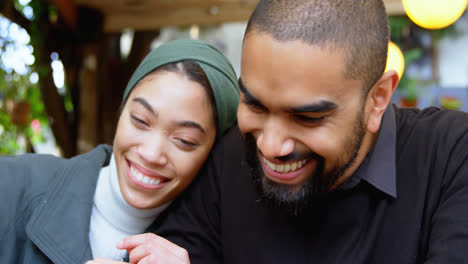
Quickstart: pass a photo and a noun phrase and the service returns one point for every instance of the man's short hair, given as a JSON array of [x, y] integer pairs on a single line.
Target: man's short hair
[[359, 28]]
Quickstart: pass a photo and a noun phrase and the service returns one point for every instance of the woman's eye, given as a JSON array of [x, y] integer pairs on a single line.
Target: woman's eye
[[188, 143], [139, 122]]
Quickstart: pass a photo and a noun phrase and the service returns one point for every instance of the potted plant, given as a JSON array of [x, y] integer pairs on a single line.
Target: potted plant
[[450, 102], [408, 87]]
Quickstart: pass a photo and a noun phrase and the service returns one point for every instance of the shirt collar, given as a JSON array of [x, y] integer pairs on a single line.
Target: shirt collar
[[379, 167]]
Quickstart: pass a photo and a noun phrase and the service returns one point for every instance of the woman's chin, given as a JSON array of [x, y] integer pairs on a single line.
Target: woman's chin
[[140, 201]]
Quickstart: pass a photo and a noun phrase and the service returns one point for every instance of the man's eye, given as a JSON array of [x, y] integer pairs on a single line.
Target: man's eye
[[308, 119], [253, 106]]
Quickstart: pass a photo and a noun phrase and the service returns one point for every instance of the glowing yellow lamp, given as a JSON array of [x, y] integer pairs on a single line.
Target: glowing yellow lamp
[[434, 14], [395, 59]]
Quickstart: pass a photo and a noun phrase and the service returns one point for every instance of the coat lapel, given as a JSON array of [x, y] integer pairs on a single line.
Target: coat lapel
[[60, 225]]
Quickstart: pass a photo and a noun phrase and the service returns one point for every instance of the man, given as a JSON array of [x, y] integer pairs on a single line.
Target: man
[[329, 172]]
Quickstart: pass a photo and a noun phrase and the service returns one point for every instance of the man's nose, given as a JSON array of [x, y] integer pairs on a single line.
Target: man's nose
[[274, 140]]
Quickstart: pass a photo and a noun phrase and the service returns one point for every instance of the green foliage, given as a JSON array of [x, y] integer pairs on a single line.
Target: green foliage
[[15, 88], [409, 86], [399, 27], [448, 102], [450, 31], [401, 31]]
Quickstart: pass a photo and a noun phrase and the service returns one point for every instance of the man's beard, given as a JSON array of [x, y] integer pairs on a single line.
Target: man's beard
[[298, 198]]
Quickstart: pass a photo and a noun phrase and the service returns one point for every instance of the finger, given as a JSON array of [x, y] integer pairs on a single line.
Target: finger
[[158, 252], [161, 257], [138, 253], [136, 240], [133, 241], [104, 261], [148, 249]]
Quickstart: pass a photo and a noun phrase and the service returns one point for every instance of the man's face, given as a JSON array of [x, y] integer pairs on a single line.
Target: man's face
[[303, 122]]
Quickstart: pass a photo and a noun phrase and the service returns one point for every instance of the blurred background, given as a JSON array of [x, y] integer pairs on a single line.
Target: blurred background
[[65, 63]]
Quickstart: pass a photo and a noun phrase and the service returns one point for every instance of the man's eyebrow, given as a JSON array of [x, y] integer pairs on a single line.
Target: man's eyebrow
[[249, 98], [319, 107], [190, 124], [145, 104]]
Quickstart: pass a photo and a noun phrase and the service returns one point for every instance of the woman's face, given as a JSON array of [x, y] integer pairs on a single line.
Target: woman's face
[[164, 135]]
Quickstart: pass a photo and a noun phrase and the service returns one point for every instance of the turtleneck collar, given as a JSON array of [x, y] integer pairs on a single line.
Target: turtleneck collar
[[117, 212]]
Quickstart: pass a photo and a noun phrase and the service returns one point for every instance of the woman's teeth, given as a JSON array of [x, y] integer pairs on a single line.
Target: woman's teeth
[[285, 168], [144, 179]]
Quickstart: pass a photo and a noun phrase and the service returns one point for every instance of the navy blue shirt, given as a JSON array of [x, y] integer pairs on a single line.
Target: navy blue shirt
[[379, 167], [407, 203]]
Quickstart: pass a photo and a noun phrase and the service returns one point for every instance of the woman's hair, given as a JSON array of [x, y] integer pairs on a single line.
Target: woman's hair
[[201, 62], [193, 72]]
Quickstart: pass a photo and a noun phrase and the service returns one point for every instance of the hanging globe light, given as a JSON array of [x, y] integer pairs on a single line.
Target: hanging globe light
[[434, 14], [395, 59]]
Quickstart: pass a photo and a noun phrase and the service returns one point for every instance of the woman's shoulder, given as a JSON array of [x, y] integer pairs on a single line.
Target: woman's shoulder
[[36, 171], [29, 165]]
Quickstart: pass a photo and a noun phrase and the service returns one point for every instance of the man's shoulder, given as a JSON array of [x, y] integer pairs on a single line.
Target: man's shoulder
[[431, 143], [230, 146], [430, 116], [232, 137], [431, 124]]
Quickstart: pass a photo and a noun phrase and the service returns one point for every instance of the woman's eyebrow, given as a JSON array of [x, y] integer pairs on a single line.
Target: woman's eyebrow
[[145, 104], [190, 124]]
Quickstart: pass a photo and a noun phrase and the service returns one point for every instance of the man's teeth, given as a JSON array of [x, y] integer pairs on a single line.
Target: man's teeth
[[144, 179], [284, 168]]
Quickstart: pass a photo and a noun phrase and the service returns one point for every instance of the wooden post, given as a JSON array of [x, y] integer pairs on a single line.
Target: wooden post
[[88, 91]]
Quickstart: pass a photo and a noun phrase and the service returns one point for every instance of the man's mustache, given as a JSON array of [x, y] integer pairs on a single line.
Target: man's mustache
[[293, 156]]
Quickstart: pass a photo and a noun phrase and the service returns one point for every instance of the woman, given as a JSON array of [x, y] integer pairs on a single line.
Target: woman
[[180, 99]]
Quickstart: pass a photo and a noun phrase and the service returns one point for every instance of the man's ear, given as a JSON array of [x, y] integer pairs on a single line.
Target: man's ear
[[379, 98]]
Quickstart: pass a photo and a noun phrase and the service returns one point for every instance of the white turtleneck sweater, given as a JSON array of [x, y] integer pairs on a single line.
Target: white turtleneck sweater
[[112, 218]]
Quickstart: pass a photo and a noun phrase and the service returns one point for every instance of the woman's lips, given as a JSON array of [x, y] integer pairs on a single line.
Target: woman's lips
[[144, 177]]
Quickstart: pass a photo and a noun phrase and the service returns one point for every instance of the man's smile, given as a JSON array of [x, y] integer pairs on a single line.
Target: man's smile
[[286, 172], [285, 167]]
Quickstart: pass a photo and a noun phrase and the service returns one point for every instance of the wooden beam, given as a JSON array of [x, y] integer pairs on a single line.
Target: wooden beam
[[67, 9], [130, 6], [153, 14], [394, 7], [176, 17]]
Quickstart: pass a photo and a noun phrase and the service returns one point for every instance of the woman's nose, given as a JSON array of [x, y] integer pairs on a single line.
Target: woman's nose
[[153, 151]]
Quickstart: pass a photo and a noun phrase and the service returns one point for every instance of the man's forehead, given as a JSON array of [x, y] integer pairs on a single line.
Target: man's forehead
[[312, 69], [266, 39], [263, 48]]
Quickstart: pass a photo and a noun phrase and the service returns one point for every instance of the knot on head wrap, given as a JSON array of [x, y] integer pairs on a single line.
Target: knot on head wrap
[[218, 70]]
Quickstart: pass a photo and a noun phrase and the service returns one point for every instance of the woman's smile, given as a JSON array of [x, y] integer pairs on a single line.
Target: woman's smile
[[145, 178]]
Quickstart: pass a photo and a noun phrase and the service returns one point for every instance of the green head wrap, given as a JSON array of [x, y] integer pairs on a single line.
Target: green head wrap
[[221, 75]]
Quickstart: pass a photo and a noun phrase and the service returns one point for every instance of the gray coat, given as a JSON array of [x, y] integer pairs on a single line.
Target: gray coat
[[46, 206]]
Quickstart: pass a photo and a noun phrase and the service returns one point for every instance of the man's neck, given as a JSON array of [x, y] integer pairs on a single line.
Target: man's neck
[[368, 142]]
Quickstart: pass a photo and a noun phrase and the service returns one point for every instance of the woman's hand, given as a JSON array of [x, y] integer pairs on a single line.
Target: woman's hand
[[149, 248], [104, 261]]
